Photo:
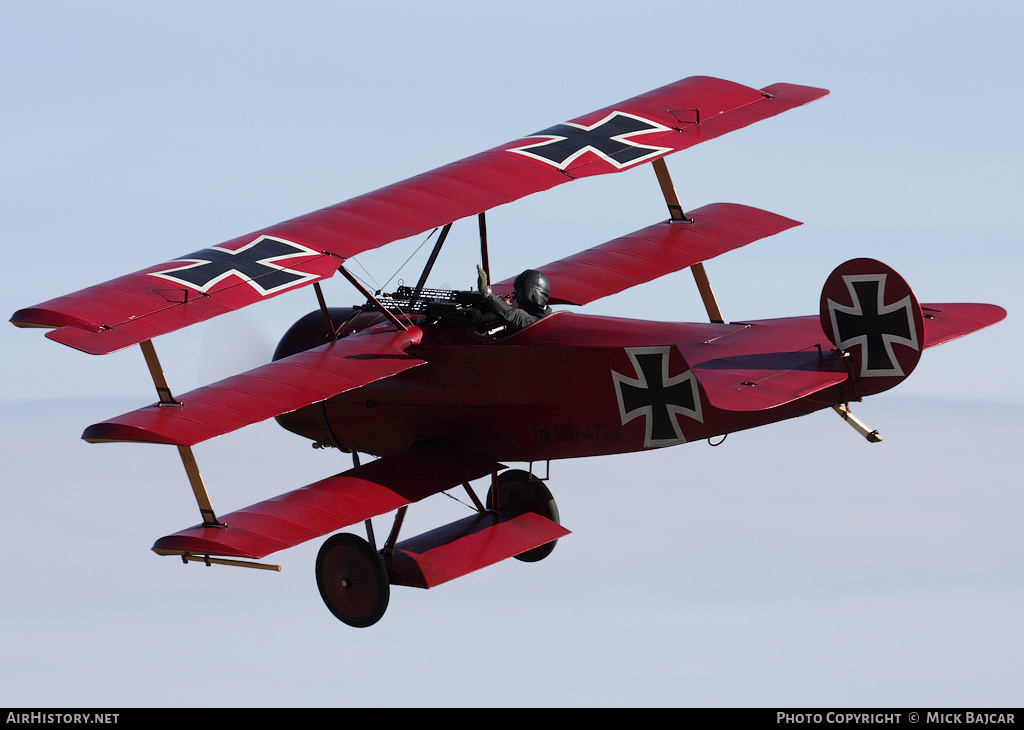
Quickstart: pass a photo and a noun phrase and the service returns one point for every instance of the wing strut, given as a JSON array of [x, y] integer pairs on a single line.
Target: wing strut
[[433, 257], [185, 452], [678, 216], [485, 259], [370, 298], [323, 310]]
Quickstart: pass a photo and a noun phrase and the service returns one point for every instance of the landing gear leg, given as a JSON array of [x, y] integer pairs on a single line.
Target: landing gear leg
[[352, 580]]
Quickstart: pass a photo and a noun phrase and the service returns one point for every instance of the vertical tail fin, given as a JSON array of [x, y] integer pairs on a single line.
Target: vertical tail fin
[[870, 313]]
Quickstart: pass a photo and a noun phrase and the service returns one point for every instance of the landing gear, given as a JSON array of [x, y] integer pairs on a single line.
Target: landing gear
[[355, 580], [521, 490], [352, 580]]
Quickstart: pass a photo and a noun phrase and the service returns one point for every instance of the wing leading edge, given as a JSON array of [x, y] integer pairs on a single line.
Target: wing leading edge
[[300, 251]]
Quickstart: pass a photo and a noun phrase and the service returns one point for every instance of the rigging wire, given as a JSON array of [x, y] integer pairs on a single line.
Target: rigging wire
[[368, 274], [372, 284], [411, 255], [464, 504]]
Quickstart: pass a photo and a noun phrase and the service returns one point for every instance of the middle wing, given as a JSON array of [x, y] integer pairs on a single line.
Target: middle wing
[[270, 390], [652, 252], [279, 258]]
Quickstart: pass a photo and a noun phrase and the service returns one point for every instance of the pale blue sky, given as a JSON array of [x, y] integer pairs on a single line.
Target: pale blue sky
[[793, 565]]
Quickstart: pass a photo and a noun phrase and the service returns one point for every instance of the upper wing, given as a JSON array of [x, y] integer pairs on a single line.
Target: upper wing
[[270, 390], [203, 284], [652, 252]]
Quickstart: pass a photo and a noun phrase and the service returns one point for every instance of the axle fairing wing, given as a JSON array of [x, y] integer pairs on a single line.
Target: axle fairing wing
[[300, 251]]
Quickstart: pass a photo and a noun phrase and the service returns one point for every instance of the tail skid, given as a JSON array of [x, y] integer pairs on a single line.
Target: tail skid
[[872, 436]]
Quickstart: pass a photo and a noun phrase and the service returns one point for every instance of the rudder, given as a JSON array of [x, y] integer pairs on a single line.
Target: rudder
[[869, 312]]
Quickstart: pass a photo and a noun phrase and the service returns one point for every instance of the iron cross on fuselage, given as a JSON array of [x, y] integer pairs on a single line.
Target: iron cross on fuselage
[[657, 396]]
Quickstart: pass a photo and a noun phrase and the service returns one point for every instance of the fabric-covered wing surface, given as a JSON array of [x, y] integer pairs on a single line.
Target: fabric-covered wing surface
[[330, 504], [655, 251], [278, 387], [203, 284]]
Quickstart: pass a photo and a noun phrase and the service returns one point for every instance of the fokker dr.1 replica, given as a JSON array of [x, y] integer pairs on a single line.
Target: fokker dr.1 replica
[[443, 386]]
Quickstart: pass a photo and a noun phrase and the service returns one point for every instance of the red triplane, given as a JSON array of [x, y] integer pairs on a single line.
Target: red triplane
[[420, 379]]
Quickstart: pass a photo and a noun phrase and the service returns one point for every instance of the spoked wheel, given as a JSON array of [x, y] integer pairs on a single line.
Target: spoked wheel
[[352, 580], [520, 490]]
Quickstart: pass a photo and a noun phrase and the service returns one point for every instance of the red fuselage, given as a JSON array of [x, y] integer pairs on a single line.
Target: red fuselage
[[569, 385]]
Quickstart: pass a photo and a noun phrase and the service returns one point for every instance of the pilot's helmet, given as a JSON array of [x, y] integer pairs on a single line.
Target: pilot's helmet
[[532, 290]]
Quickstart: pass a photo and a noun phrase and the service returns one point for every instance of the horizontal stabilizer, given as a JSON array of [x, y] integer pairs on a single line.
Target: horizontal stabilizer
[[271, 390], [946, 322], [470, 544], [331, 504], [753, 366], [652, 252]]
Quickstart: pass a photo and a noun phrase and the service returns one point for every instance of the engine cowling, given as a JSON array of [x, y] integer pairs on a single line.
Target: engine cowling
[[311, 331]]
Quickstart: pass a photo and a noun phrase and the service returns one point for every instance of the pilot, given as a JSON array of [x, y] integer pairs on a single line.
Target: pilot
[[531, 290]]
